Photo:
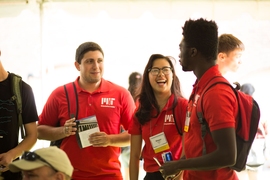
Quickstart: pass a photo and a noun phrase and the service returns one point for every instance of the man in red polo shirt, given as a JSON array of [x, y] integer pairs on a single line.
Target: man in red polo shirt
[[112, 106], [198, 54]]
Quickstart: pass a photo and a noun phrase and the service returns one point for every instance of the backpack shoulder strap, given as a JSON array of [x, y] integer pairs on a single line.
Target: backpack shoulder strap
[[16, 86], [215, 80], [72, 99], [199, 108], [175, 121]]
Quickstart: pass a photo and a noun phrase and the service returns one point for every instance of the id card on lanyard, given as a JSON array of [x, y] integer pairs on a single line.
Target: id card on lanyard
[[191, 104], [159, 142]]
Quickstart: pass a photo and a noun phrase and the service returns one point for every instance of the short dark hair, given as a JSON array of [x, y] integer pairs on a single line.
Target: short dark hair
[[228, 43], [134, 81], [202, 35], [84, 48]]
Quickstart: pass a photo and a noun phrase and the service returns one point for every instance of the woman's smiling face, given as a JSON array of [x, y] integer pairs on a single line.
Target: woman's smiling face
[[161, 83]]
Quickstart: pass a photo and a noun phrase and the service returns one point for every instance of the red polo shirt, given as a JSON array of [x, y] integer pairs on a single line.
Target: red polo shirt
[[220, 109], [165, 122], [113, 106]]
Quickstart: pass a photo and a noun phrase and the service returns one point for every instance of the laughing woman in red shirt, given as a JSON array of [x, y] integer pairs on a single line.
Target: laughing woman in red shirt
[[158, 119]]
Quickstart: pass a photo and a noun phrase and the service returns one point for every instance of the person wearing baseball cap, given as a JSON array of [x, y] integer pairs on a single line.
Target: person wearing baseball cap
[[51, 162]]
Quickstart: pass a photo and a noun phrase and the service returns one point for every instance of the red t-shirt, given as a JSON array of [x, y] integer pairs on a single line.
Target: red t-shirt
[[113, 107], [220, 110], [163, 123]]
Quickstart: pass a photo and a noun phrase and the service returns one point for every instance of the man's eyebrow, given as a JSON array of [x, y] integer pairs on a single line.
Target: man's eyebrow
[[89, 59]]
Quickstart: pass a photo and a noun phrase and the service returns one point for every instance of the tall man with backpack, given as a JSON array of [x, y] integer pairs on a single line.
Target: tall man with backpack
[[17, 104], [110, 104], [211, 144]]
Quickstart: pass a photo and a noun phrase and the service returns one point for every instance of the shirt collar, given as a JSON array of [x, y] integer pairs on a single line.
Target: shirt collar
[[104, 86], [206, 77]]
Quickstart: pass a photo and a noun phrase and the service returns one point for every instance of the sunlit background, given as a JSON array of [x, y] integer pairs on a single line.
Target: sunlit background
[[38, 38]]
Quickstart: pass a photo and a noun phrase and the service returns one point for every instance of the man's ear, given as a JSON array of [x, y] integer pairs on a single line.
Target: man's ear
[[60, 176], [77, 65], [193, 52], [221, 57]]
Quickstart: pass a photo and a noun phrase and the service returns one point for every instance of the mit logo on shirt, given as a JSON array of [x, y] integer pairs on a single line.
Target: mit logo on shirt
[[107, 102], [168, 119]]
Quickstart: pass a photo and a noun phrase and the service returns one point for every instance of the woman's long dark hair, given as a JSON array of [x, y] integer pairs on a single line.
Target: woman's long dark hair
[[146, 96]]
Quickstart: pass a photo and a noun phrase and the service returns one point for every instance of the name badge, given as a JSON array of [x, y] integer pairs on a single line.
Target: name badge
[[159, 142]]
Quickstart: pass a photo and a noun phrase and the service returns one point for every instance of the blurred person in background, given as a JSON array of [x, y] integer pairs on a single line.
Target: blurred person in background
[[230, 50], [257, 156], [134, 81]]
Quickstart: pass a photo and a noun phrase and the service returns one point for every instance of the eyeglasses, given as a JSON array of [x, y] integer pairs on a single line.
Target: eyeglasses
[[32, 156], [155, 71]]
